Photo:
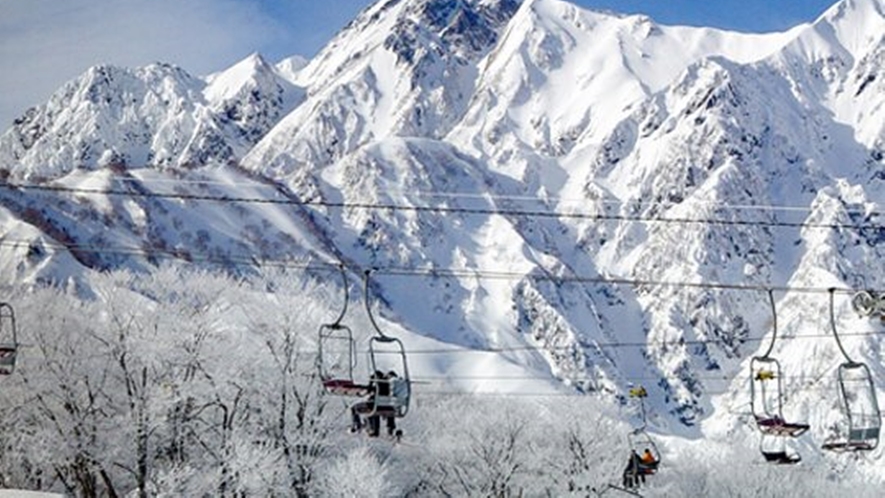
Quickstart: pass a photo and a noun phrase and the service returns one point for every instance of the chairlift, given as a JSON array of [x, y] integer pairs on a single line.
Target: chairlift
[[336, 357], [640, 442], [387, 356], [863, 420], [767, 393], [8, 339]]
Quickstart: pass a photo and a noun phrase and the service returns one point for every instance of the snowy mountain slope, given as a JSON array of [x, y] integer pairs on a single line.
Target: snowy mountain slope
[[522, 155], [252, 94], [768, 145], [157, 115], [401, 68], [562, 75], [148, 219], [836, 62]]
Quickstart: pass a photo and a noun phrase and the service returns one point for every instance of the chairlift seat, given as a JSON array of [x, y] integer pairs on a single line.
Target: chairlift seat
[[648, 468], [846, 446], [345, 387], [776, 426], [862, 439]]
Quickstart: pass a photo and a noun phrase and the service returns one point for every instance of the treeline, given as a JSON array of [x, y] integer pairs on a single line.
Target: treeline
[[194, 384]]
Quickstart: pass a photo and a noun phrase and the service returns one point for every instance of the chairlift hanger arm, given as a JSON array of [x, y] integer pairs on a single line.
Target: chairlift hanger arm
[[381, 335], [337, 323], [773, 324], [848, 359]]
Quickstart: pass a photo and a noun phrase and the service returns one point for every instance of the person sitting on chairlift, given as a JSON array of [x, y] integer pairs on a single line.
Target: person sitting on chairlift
[[648, 460], [391, 417], [632, 473], [377, 386]]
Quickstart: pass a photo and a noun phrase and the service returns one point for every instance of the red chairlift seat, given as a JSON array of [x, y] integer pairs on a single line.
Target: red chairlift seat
[[776, 426], [346, 387]]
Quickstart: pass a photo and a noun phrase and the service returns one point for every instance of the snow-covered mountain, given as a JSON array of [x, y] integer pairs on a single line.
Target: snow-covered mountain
[[546, 172]]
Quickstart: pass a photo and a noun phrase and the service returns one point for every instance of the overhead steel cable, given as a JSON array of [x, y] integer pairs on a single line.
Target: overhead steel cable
[[441, 209], [635, 344], [506, 197], [498, 196], [476, 273]]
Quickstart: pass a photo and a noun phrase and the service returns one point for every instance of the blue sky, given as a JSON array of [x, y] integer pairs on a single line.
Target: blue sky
[[44, 43]]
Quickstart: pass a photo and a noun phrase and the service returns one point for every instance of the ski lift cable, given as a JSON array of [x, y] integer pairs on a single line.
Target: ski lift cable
[[761, 207], [435, 209], [252, 260], [506, 197], [615, 345], [723, 378], [574, 394], [493, 196]]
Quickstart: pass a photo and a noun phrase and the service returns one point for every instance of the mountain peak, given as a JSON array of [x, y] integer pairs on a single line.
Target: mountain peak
[[855, 25], [225, 84]]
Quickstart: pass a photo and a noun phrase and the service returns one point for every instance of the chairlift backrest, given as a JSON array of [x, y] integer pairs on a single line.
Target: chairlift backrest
[[863, 434], [858, 395], [392, 348], [639, 440], [861, 405], [8, 339], [766, 390], [398, 387], [8, 355], [336, 355]]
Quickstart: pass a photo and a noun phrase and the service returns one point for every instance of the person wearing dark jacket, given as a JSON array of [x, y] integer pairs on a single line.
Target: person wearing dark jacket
[[632, 473], [378, 385]]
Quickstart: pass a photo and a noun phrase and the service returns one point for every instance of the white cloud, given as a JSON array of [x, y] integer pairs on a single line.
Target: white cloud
[[44, 43]]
